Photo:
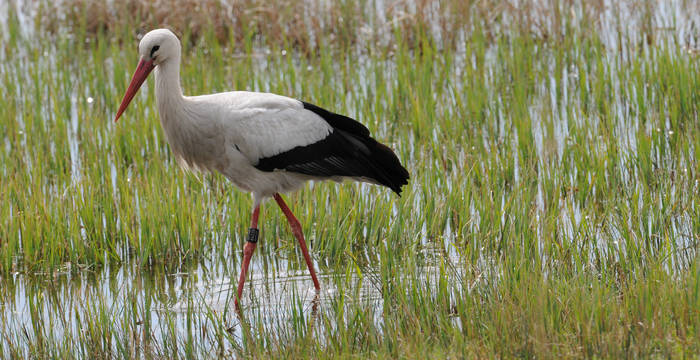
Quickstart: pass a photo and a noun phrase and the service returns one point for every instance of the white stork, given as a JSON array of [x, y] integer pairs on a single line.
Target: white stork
[[263, 143]]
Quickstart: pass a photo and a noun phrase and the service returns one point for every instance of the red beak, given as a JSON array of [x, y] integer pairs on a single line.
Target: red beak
[[142, 70]]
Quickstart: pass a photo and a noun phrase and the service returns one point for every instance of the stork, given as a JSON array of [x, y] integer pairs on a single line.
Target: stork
[[265, 144]]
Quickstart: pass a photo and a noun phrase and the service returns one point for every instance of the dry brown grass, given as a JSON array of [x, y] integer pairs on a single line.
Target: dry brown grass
[[281, 22], [309, 24], [303, 24]]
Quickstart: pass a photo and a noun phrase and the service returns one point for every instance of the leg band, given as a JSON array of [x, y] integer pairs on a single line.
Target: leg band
[[253, 235]]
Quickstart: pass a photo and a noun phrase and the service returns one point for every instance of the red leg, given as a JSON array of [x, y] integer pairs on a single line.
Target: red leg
[[248, 250], [296, 230]]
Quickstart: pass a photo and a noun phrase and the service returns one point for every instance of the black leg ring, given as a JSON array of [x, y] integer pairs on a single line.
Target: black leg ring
[[253, 235]]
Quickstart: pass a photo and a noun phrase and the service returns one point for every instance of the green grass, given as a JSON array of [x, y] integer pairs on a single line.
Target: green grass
[[553, 206]]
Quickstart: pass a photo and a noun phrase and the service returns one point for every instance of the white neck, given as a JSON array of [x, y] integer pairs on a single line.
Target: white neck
[[168, 92]]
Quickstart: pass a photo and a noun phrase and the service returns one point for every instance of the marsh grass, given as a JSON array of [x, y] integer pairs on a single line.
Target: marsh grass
[[552, 208]]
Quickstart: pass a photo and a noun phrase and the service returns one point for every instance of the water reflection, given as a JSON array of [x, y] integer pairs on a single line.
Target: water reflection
[[193, 301]]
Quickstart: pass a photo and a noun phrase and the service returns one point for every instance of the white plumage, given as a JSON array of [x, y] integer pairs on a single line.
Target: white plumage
[[230, 132]]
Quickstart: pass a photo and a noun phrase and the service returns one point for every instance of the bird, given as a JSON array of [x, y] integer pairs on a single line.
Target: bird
[[263, 143]]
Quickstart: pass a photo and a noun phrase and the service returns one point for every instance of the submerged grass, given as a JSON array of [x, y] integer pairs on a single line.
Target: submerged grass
[[552, 208]]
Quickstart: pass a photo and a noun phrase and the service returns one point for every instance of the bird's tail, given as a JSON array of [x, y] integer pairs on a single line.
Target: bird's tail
[[386, 166]]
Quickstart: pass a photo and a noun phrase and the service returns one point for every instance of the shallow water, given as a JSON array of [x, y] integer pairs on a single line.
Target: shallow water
[[192, 302]]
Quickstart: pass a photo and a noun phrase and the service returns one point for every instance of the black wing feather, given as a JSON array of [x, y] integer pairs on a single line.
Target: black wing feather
[[347, 151]]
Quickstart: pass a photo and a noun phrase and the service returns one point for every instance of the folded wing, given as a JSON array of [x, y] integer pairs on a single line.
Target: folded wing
[[284, 134]]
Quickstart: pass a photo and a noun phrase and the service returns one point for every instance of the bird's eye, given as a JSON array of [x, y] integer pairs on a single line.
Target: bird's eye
[[154, 49]]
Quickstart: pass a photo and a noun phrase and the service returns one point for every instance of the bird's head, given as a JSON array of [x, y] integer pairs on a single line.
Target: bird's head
[[155, 48], [158, 46]]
